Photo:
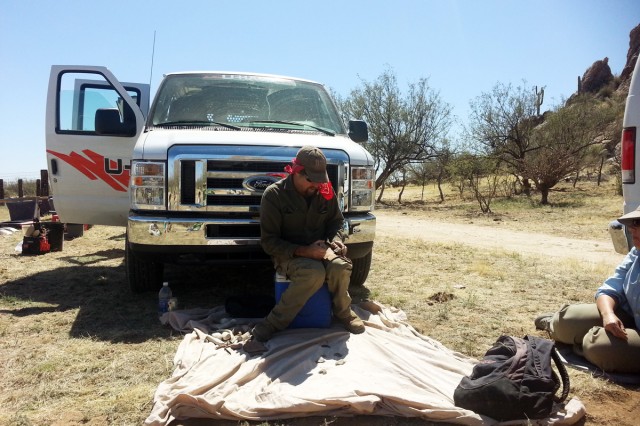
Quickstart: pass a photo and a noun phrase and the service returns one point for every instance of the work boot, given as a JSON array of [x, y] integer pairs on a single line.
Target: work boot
[[263, 331], [352, 323], [543, 322]]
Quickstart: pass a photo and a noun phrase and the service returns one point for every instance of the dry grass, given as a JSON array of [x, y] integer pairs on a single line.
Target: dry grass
[[77, 348], [482, 288], [73, 340], [581, 212]]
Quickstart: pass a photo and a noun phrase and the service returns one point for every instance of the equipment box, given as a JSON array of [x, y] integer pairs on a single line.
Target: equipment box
[[316, 313], [55, 234]]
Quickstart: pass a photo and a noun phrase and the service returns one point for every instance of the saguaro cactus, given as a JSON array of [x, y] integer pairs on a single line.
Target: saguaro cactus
[[539, 98]]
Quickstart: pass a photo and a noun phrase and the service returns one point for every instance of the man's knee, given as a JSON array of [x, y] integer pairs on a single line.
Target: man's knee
[[307, 272], [610, 353], [572, 322], [339, 267]]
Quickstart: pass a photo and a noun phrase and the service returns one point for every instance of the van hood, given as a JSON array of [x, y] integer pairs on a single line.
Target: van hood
[[156, 142]]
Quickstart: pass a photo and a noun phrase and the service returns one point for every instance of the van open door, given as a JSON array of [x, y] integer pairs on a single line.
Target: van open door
[[92, 124]]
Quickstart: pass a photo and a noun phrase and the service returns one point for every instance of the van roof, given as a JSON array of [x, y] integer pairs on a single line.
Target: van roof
[[275, 76]]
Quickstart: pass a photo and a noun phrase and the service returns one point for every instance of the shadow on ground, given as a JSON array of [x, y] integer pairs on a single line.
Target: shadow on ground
[[95, 285], [108, 310]]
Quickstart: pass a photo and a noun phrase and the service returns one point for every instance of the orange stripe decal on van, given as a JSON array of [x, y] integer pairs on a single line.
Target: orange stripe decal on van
[[96, 166]]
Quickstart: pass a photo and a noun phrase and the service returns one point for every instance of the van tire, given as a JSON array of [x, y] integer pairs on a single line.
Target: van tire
[[360, 270], [142, 275]]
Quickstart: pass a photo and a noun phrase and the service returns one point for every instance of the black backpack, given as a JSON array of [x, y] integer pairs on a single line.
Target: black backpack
[[514, 380]]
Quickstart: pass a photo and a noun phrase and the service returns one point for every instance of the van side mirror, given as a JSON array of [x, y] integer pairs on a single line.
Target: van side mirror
[[622, 243], [107, 122], [358, 131]]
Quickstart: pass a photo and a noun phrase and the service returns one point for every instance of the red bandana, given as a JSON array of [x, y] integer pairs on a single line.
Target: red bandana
[[325, 189]]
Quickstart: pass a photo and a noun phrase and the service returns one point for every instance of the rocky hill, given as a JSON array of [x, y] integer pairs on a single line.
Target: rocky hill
[[610, 91], [632, 54], [598, 78]]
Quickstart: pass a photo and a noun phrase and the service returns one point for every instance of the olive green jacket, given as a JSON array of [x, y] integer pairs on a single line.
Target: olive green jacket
[[287, 221]]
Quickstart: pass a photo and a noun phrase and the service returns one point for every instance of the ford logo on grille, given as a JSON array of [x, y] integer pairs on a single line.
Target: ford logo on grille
[[259, 183]]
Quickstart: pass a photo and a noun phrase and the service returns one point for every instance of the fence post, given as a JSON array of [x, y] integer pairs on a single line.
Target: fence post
[[44, 181], [2, 189], [20, 189], [38, 188]]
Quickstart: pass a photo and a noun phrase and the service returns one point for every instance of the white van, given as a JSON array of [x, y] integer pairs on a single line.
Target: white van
[[186, 175], [630, 162]]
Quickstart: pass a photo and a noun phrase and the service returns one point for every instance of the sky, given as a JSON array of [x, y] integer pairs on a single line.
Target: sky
[[463, 48]]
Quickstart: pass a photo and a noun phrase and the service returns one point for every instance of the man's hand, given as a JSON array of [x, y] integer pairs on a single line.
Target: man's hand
[[610, 321], [339, 248], [321, 250], [613, 325], [316, 250]]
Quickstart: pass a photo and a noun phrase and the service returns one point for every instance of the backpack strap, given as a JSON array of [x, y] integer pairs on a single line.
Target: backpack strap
[[564, 375]]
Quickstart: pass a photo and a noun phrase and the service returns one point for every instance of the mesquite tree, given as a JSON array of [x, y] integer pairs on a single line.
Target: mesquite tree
[[569, 139], [501, 124], [404, 128]]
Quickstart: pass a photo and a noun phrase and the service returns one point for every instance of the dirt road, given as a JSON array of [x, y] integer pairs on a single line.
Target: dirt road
[[494, 237]]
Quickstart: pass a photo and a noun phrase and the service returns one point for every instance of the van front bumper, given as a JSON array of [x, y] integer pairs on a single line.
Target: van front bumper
[[157, 231]]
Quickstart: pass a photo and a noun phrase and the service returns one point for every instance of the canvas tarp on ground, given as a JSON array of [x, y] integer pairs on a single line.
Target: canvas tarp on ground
[[390, 370]]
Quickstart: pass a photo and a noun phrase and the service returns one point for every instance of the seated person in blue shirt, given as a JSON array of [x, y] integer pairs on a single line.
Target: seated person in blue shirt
[[606, 332]]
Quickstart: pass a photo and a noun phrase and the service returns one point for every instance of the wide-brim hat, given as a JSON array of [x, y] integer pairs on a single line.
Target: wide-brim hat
[[628, 218], [314, 163]]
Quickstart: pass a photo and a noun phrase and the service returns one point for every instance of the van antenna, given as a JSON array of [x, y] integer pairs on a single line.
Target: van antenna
[[153, 53]]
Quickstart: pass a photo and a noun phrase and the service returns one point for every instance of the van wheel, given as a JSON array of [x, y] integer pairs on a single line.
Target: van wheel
[[142, 274], [360, 270]]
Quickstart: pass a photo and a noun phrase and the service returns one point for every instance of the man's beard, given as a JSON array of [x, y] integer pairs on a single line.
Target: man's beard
[[311, 192]]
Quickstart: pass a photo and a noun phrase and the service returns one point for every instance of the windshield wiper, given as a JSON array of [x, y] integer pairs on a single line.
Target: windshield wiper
[[198, 123], [295, 123]]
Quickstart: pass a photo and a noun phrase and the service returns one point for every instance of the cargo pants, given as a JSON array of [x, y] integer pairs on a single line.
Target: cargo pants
[[307, 276], [580, 325]]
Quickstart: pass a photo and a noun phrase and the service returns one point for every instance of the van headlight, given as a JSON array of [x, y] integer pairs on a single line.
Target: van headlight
[[363, 188], [147, 185]]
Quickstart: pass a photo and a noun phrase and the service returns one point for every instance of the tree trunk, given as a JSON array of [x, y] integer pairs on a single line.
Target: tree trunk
[[440, 176], [381, 192], [404, 183], [600, 170], [440, 190], [544, 193], [382, 178]]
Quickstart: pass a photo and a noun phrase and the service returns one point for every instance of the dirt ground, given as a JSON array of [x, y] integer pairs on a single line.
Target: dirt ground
[[618, 407], [624, 407], [493, 236]]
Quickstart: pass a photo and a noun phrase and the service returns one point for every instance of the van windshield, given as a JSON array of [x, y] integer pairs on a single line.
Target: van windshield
[[242, 100]]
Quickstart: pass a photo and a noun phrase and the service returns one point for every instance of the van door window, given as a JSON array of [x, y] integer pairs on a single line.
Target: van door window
[[81, 95]]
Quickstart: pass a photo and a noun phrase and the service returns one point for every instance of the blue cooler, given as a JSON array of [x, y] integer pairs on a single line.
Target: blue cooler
[[316, 313]]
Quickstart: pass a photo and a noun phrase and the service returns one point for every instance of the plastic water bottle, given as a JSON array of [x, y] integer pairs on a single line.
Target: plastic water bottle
[[163, 298]]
